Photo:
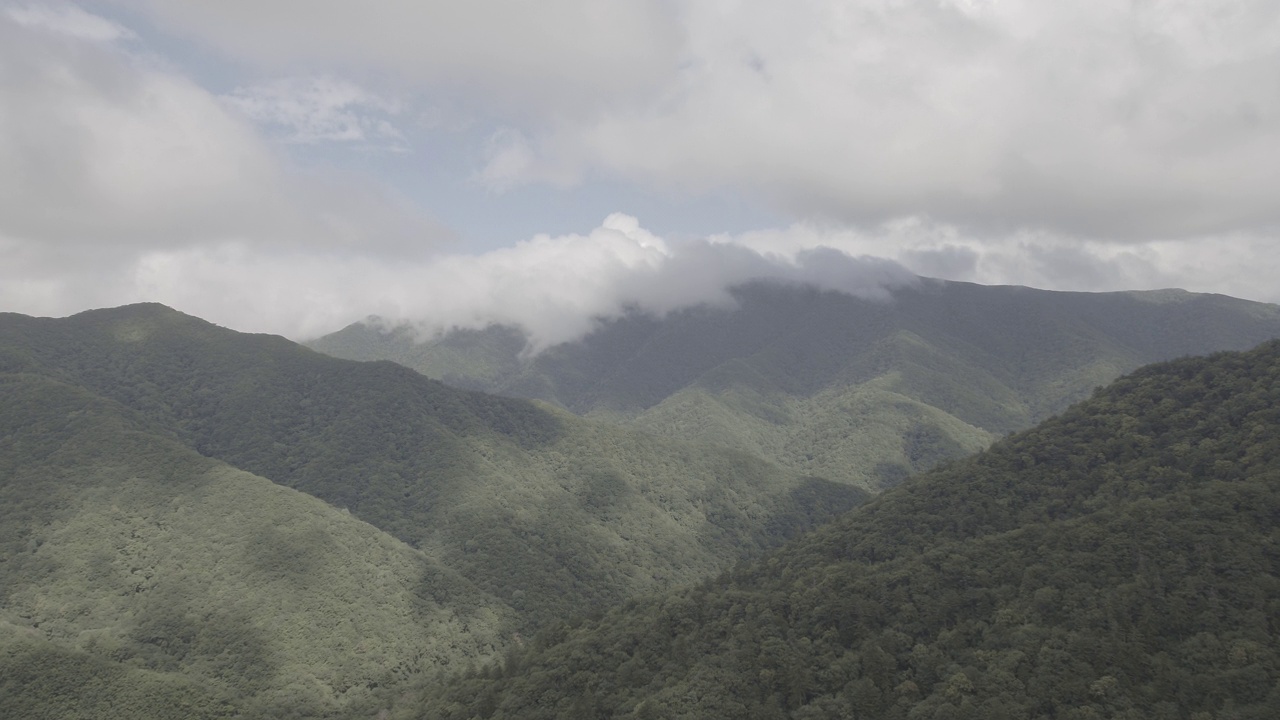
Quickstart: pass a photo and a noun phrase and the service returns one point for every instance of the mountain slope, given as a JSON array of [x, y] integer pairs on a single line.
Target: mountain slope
[[550, 513], [140, 579], [1122, 560], [811, 379]]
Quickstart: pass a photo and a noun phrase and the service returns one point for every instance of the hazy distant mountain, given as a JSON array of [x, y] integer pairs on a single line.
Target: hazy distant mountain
[[1119, 561], [831, 385]]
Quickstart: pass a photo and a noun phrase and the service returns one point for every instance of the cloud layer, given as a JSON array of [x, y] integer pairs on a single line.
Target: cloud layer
[[1085, 146], [1112, 121], [1124, 121], [555, 288], [558, 287], [524, 57], [108, 155]]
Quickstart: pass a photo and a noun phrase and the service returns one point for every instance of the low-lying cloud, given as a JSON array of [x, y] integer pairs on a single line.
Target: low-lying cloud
[[122, 179], [556, 289]]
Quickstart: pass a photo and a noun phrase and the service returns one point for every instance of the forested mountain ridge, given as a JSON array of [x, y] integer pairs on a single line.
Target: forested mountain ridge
[[1119, 561], [848, 389], [140, 579], [548, 512]]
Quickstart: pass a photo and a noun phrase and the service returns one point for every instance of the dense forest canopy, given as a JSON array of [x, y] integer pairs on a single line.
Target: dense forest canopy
[[200, 523], [177, 495], [1119, 561]]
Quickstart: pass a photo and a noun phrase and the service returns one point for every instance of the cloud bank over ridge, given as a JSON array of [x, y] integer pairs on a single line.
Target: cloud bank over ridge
[[555, 288], [1084, 146]]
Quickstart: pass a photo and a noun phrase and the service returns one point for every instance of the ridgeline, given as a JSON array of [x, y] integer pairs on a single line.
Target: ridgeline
[[1119, 561]]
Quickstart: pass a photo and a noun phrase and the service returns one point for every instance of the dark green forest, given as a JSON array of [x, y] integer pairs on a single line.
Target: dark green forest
[[1119, 561], [282, 529], [201, 523], [551, 513]]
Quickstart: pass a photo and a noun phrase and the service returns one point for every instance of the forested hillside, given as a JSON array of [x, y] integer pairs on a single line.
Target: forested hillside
[[1119, 561], [830, 385], [139, 579], [548, 512], [200, 523]]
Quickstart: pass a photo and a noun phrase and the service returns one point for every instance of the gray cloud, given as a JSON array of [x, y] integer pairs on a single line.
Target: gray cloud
[[97, 146], [556, 288], [1061, 146], [1242, 264], [548, 56], [1124, 121], [1118, 121], [321, 109], [104, 150]]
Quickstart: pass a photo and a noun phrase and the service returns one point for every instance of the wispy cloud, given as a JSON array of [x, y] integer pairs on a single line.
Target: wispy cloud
[[1094, 146], [67, 19], [321, 109], [107, 157]]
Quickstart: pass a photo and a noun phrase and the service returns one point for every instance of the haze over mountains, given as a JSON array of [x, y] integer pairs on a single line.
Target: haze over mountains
[[862, 390]]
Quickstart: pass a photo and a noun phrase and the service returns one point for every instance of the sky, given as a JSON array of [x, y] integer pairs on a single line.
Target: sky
[[290, 166]]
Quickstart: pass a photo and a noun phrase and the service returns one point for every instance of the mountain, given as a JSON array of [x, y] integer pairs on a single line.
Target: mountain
[[825, 384], [1121, 560], [140, 579], [549, 513]]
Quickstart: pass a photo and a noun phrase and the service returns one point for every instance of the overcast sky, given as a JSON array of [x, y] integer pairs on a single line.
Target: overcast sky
[[289, 166]]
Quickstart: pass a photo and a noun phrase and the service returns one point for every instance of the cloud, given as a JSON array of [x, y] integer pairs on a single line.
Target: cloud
[[68, 20], [1083, 147], [310, 110], [523, 57], [507, 160], [1113, 121], [1127, 121], [1242, 264], [107, 155], [556, 288], [97, 146]]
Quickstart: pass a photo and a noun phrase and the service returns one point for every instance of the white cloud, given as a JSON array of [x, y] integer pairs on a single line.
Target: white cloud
[[507, 159], [106, 156], [96, 146], [1089, 146], [517, 55], [1121, 121], [69, 20], [1131, 121], [1240, 264], [311, 110], [556, 288]]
